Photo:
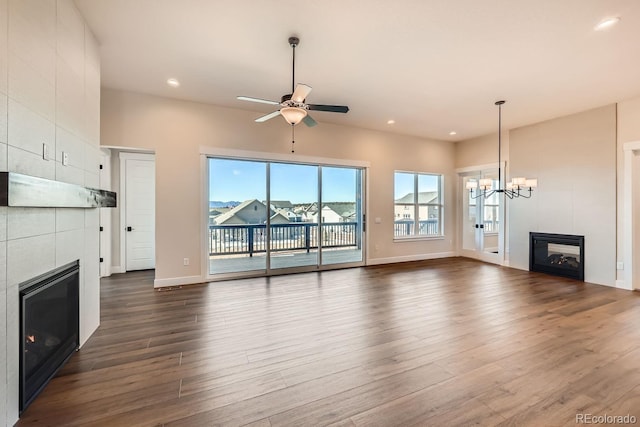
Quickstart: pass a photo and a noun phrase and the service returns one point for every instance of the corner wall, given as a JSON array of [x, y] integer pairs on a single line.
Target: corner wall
[[574, 159], [175, 130], [628, 131], [49, 93]]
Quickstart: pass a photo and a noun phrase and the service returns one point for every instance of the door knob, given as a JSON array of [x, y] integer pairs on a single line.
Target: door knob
[[129, 228]]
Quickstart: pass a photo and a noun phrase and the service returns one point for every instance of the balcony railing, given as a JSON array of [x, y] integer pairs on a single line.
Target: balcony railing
[[428, 227], [251, 239]]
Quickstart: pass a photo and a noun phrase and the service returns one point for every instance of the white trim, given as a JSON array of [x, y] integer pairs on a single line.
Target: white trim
[[123, 205], [621, 284], [176, 281], [137, 156], [417, 238], [630, 149], [367, 220], [204, 216], [468, 169], [407, 258], [128, 149], [116, 269], [280, 157], [105, 214]]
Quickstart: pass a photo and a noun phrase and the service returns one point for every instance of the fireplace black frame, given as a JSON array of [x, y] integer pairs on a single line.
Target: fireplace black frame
[[32, 385], [561, 239]]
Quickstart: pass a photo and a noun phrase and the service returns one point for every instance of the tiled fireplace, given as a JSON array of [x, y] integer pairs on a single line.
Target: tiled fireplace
[[49, 96]]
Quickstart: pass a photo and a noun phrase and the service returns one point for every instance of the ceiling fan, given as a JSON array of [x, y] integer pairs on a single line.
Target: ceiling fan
[[292, 106]]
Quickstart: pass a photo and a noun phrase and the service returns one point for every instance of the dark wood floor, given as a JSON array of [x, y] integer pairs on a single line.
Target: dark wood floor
[[441, 342]]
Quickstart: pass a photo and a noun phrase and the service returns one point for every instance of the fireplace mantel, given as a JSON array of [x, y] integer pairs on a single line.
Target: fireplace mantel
[[18, 190]]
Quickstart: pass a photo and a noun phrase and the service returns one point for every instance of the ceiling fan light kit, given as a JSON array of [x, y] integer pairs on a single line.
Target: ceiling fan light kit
[[517, 187], [293, 115], [293, 107]]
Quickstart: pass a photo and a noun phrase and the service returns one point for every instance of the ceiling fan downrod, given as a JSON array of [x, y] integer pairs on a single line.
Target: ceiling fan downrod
[[293, 42]]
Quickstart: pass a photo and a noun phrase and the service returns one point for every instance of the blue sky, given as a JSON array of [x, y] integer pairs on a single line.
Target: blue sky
[[404, 183], [240, 180]]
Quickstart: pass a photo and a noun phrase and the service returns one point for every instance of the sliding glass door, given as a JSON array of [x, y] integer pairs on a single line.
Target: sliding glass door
[[341, 215], [237, 217], [271, 217], [294, 236]]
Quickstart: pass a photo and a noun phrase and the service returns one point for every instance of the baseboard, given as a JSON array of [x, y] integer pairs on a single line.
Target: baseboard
[[620, 284], [116, 269], [407, 258], [177, 281]]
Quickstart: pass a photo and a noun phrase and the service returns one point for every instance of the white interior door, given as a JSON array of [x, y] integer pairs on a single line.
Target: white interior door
[[139, 207]]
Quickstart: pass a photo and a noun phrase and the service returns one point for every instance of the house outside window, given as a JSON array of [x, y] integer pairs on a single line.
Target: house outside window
[[419, 198]]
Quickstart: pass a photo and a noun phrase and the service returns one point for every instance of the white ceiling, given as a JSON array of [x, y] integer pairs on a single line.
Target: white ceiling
[[431, 65]]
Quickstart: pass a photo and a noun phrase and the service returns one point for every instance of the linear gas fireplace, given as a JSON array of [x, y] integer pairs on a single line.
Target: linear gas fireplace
[[49, 327], [559, 254]]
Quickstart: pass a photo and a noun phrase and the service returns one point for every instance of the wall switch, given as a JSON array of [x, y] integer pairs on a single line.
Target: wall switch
[[65, 158], [186, 261], [377, 248], [45, 151], [378, 220], [619, 265]]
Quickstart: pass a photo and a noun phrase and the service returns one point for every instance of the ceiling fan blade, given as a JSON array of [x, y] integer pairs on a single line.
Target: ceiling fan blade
[[300, 93], [330, 108], [308, 120], [268, 116], [260, 100]]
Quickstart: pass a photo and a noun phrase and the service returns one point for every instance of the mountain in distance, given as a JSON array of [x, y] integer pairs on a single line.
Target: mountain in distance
[[218, 204]]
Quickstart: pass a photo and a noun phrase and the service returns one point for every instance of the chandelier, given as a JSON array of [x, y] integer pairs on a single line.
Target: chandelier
[[517, 187]]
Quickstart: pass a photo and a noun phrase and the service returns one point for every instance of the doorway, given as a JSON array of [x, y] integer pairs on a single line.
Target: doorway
[[273, 217], [481, 219]]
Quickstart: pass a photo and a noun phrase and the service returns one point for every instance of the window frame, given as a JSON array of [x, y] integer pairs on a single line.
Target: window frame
[[416, 205]]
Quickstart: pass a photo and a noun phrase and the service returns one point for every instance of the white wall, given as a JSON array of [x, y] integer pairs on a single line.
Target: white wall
[[569, 156], [175, 131], [574, 159], [480, 151], [49, 92], [628, 131]]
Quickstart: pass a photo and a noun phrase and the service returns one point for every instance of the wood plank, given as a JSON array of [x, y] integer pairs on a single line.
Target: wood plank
[[440, 342]]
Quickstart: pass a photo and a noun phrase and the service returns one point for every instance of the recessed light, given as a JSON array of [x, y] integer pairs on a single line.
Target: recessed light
[[607, 23], [173, 82], [453, 132], [391, 122]]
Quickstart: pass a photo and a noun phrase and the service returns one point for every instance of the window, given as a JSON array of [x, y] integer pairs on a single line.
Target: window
[[418, 205]]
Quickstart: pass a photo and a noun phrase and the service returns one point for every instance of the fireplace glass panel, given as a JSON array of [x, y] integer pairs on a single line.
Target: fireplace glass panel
[[49, 328], [564, 256]]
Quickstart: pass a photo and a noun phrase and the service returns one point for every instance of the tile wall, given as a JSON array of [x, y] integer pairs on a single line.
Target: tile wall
[[49, 94]]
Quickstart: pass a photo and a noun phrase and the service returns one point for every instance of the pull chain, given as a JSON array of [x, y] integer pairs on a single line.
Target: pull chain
[[292, 138]]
